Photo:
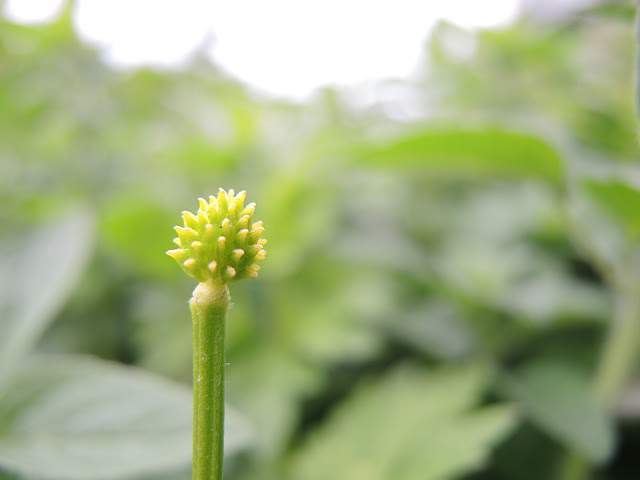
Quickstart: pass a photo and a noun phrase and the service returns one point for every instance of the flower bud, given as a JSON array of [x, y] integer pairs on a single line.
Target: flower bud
[[220, 242]]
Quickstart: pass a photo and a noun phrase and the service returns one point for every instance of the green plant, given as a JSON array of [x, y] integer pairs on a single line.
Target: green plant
[[440, 243], [217, 246], [68, 416]]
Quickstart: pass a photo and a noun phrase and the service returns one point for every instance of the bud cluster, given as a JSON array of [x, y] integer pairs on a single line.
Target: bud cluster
[[220, 243]]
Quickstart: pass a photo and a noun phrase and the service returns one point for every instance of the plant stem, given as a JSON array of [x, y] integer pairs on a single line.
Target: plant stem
[[620, 348], [209, 306], [616, 362]]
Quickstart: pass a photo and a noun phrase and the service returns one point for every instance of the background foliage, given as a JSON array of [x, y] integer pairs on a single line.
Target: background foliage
[[437, 310]]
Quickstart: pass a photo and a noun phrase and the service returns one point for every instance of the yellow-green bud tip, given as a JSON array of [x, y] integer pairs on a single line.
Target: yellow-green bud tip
[[220, 242]]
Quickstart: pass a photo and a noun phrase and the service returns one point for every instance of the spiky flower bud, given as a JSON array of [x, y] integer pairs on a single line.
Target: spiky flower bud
[[220, 242]]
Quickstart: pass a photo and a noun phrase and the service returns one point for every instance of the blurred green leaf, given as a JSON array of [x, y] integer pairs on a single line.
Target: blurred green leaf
[[36, 277], [559, 400], [469, 153], [436, 329], [411, 424], [516, 277], [621, 202], [140, 230], [549, 295], [78, 418], [265, 384]]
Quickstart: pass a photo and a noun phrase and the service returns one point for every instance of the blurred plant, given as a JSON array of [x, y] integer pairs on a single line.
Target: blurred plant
[[440, 224], [598, 139], [65, 416], [217, 246], [618, 199]]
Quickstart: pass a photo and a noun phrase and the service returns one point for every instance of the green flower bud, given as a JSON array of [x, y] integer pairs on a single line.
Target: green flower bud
[[220, 243]]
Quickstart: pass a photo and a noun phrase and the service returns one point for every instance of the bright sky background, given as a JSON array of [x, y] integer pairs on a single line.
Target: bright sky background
[[283, 47]]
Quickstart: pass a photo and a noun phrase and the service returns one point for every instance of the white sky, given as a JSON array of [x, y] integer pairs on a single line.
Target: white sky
[[283, 47]]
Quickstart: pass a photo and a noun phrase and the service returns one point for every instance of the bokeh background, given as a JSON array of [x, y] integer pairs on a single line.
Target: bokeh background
[[452, 285]]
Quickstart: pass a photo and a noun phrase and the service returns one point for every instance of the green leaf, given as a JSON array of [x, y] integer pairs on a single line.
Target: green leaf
[[434, 328], [267, 385], [550, 294], [79, 418], [37, 274], [411, 424], [621, 202], [464, 152], [559, 400]]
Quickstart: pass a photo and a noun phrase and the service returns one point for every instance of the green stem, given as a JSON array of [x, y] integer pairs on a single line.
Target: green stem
[[209, 306], [620, 349], [616, 361], [196, 389]]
